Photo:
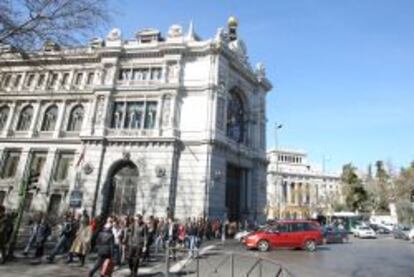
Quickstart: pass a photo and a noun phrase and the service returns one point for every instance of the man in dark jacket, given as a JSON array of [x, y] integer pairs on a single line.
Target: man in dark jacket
[[104, 246], [43, 232], [137, 242], [65, 237]]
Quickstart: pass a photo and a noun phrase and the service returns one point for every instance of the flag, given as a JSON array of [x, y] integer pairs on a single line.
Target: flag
[[81, 157]]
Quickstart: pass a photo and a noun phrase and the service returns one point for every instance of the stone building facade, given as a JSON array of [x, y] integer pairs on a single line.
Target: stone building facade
[[298, 189], [144, 125]]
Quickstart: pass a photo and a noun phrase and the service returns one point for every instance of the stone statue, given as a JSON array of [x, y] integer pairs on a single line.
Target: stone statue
[[260, 70], [175, 31], [114, 34]]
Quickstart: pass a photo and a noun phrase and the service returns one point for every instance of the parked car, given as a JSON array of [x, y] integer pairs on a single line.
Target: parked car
[[363, 231], [401, 231], [354, 228], [411, 234], [379, 229], [288, 233], [387, 225], [332, 234]]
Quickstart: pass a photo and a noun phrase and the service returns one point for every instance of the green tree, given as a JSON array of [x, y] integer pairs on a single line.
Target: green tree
[[382, 188], [356, 196]]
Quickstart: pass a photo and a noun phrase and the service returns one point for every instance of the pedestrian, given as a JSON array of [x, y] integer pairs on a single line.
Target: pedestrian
[[65, 237], [118, 233], [192, 235], [172, 237], [137, 240], [81, 244], [43, 232], [150, 237], [159, 236], [35, 222], [181, 235], [3, 233], [104, 246]]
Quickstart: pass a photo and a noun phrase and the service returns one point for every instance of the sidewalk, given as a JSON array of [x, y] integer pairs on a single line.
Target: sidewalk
[[27, 266]]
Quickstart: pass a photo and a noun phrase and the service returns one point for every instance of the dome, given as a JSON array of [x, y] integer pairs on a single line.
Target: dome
[[232, 21]]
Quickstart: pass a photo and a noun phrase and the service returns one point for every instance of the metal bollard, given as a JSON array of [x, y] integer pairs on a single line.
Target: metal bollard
[[167, 260], [232, 264], [198, 263]]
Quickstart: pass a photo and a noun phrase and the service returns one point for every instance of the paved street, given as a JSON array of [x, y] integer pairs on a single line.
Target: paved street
[[384, 256]]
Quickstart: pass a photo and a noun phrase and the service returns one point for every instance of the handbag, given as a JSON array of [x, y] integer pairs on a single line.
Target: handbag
[[107, 267]]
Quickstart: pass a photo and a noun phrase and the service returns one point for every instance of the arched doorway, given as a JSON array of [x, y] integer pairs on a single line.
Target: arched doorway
[[120, 189]]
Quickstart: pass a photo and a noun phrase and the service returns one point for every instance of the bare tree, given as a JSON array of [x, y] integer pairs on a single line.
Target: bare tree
[[27, 24]]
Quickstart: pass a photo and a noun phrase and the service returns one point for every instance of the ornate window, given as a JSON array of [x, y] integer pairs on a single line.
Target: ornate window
[[235, 118], [4, 114], [150, 115], [37, 162], [118, 115], [6, 81], [25, 119], [76, 118], [134, 115], [49, 119], [17, 80], [89, 79], [10, 163], [65, 161]]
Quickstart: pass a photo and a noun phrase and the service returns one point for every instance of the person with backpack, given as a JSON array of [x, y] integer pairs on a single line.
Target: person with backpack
[[43, 232], [104, 246]]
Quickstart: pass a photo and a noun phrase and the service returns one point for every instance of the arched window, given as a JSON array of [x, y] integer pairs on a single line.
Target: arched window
[[4, 114], [76, 118], [49, 119], [235, 118], [25, 119]]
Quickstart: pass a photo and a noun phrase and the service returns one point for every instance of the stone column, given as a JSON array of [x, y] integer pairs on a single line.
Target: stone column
[[8, 127], [89, 117], [48, 170], [35, 119], [102, 114], [60, 119]]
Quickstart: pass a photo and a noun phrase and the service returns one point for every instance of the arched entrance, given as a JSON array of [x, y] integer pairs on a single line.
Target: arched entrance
[[120, 189]]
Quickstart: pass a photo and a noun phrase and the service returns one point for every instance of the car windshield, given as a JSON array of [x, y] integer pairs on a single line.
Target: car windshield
[[364, 228]]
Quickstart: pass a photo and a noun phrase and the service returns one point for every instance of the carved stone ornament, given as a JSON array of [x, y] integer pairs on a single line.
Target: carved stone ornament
[[126, 155], [114, 34], [260, 70], [175, 31], [160, 171], [87, 168]]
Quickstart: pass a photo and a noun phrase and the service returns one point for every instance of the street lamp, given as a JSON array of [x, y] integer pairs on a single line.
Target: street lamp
[[277, 127]]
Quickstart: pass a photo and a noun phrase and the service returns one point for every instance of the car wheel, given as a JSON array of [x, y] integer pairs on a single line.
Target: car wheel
[[310, 245], [263, 246]]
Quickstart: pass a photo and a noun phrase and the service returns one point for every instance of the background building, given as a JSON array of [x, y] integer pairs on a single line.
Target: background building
[[298, 189], [143, 125]]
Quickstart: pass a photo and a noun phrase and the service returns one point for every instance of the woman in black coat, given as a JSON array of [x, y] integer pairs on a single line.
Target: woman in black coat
[[104, 246]]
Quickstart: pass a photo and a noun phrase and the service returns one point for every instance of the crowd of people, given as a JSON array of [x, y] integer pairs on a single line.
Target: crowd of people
[[117, 240]]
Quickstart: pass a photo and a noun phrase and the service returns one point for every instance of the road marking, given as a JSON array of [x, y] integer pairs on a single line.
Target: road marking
[[179, 265], [126, 271]]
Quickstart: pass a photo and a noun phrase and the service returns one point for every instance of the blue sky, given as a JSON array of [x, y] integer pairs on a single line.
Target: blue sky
[[343, 71]]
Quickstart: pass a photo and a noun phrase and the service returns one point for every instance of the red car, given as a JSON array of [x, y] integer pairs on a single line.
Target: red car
[[289, 233]]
